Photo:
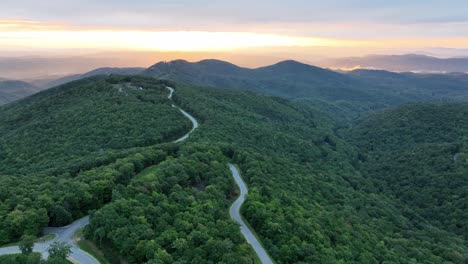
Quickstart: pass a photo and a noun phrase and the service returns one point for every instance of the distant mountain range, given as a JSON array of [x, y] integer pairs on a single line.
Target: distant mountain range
[[341, 93], [400, 63], [13, 90]]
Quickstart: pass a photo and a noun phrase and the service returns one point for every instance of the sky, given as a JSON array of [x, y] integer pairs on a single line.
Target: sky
[[294, 28]]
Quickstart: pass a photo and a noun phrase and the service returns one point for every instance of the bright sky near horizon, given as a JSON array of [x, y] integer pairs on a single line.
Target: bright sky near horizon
[[208, 25]]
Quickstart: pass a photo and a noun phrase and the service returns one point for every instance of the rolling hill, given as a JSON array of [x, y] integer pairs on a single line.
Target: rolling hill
[[418, 87], [336, 93], [98, 71], [83, 120], [419, 154], [101, 145], [380, 193], [12, 90], [343, 95]]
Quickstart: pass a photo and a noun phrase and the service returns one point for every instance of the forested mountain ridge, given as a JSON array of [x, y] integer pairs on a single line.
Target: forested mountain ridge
[[304, 179], [289, 79], [419, 154], [336, 93], [419, 87], [309, 200], [80, 121], [347, 95], [50, 143], [98, 71]]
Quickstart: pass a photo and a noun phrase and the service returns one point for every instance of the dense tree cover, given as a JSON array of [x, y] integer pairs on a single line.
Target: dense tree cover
[[69, 127], [308, 201], [417, 87], [418, 153], [176, 212], [33, 258], [51, 141], [28, 203], [26, 244], [346, 95]]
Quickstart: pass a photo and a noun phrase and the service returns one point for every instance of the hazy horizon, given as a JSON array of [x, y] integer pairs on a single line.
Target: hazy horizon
[[265, 28], [72, 36]]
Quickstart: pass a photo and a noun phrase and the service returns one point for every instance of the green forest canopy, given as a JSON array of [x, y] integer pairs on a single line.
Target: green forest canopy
[[312, 198]]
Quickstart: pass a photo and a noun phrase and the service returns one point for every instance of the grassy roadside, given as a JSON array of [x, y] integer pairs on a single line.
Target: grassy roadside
[[146, 171], [90, 248]]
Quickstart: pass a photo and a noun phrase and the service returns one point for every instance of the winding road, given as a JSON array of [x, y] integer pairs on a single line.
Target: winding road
[[190, 117], [62, 234], [65, 234], [234, 211]]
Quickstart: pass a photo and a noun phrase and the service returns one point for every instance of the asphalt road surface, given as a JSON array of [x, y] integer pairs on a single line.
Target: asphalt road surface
[[62, 234], [234, 211], [65, 234], [190, 117]]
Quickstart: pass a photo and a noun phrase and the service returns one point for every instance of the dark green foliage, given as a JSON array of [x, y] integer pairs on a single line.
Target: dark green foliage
[[313, 197], [418, 153], [26, 244], [73, 126], [175, 212], [345, 95], [27, 204], [34, 258], [308, 202], [51, 142]]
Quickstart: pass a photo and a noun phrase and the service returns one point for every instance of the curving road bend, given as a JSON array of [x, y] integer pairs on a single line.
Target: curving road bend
[[234, 211], [62, 234], [190, 117], [65, 234]]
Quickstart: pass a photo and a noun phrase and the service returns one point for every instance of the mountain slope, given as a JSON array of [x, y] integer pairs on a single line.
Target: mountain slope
[[80, 121], [307, 201], [333, 92], [84, 147], [418, 87], [419, 153], [289, 79], [13, 90], [99, 71]]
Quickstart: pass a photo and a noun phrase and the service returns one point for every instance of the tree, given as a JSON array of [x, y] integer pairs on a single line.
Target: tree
[[59, 250], [59, 216], [26, 244]]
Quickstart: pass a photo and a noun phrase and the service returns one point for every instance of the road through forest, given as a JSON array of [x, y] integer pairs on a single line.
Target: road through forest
[[65, 234]]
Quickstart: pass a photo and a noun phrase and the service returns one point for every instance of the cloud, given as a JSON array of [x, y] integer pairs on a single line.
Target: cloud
[[182, 13]]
